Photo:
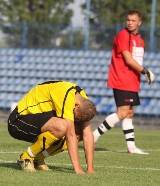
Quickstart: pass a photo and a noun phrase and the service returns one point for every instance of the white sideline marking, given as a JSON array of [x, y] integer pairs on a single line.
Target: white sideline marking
[[99, 151], [2, 152], [111, 167], [135, 168]]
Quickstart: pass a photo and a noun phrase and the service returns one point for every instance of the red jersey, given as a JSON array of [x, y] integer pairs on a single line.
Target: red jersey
[[121, 76]]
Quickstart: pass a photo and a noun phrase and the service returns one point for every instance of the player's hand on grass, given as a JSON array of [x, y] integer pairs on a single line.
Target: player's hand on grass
[[149, 75]]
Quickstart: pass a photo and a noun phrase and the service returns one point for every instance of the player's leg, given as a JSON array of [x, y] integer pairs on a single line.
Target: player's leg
[[55, 148], [59, 146], [128, 130], [109, 122], [43, 142]]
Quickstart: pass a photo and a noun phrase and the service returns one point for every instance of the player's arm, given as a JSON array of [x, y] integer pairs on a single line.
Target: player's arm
[[88, 142], [133, 63], [63, 127], [72, 145]]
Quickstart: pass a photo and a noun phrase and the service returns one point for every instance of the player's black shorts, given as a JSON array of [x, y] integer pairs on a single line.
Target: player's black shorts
[[27, 127], [123, 98]]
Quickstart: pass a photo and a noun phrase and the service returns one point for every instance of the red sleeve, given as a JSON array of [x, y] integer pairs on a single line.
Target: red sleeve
[[122, 41]]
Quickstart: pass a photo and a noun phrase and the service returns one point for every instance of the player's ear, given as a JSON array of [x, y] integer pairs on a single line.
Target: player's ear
[[77, 105], [139, 24]]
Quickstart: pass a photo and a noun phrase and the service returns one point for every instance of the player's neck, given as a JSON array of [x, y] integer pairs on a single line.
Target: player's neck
[[135, 32]]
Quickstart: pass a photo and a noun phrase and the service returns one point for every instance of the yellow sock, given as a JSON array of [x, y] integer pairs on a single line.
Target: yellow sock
[[44, 141], [55, 148], [25, 155]]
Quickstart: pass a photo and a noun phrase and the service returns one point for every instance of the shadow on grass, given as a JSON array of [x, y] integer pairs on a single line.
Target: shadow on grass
[[108, 150], [96, 149], [54, 168], [10, 165], [99, 149]]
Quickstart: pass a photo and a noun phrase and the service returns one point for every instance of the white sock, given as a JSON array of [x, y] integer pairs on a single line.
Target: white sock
[[128, 130], [107, 124]]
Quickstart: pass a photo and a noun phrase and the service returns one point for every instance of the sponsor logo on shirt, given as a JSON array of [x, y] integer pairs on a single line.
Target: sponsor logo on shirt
[[140, 44], [137, 54], [128, 100]]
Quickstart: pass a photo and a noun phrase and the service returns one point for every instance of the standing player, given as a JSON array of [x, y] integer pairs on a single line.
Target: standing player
[[124, 78]]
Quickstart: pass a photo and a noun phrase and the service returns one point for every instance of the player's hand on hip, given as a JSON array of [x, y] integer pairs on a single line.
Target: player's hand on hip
[[149, 75]]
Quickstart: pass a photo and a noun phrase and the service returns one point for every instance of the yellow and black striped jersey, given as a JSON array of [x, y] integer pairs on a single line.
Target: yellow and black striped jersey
[[56, 96]]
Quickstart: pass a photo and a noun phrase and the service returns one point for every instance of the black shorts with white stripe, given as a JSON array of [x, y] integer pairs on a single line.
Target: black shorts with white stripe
[[27, 127], [123, 98]]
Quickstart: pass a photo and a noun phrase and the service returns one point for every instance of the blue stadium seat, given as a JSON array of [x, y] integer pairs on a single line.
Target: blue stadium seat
[[22, 69], [85, 84], [35, 59], [92, 83], [75, 75], [101, 84], [93, 54], [51, 53], [4, 72], [97, 100], [113, 108], [108, 55], [4, 87], [84, 75], [73, 54], [59, 53], [46, 59], [17, 97], [145, 102], [103, 91], [107, 109], [86, 54], [11, 73], [101, 54], [150, 56], [80, 53], [31, 52], [11, 88], [4, 59], [155, 111], [9, 81], [43, 52], [99, 108], [104, 100], [3, 104], [4, 51], [23, 52]]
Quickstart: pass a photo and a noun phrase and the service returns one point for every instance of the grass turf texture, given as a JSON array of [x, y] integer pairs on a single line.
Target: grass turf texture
[[114, 167]]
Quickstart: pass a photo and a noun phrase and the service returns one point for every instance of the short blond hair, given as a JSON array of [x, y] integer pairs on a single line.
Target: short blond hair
[[87, 109], [135, 12]]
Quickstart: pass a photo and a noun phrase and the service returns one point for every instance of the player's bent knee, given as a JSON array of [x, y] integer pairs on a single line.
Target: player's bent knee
[[56, 126]]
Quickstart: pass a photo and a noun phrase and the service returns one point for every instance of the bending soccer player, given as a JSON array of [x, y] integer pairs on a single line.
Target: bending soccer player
[[47, 114], [124, 78], [58, 146]]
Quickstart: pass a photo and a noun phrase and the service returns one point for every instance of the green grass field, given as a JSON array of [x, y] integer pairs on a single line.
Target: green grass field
[[114, 167]]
